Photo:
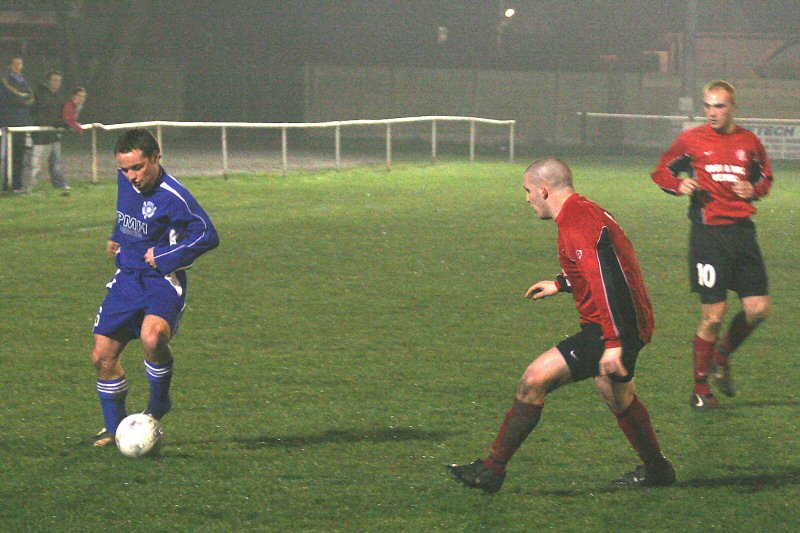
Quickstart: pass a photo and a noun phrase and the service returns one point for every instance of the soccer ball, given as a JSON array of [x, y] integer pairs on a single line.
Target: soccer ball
[[139, 435]]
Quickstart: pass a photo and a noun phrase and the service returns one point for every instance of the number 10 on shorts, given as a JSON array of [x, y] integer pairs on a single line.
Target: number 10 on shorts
[[706, 275]]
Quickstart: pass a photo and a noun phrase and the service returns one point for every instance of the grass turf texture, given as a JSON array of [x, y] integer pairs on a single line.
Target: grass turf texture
[[355, 332]]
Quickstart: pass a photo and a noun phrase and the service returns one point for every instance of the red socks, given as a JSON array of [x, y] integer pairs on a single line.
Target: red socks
[[703, 352], [638, 428], [519, 422], [522, 418]]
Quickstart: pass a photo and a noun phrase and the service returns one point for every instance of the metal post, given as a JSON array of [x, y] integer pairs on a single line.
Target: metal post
[[94, 154], [10, 160], [9, 166], [337, 134], [284, 149], [225, 152], [160, 141], [388, 146], [511, 143], [433, 140], [472, 140]]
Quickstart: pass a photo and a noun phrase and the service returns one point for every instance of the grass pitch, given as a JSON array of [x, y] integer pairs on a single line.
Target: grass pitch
[[357, 331]]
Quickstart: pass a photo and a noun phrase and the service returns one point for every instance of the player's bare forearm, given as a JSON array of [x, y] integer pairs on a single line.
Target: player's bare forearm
[[542, 289], [112, 248]]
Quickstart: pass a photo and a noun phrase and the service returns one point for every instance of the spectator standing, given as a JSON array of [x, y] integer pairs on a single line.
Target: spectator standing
[[71, 111], [47, 111], [16, 99]]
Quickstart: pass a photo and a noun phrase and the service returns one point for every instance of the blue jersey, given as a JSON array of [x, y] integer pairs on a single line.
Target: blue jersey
[[166, 218]]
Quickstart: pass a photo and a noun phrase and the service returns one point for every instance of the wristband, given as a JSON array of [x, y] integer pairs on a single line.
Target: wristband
[[563, 283]]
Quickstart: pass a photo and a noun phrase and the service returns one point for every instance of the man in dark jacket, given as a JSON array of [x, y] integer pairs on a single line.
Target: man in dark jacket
[[16, 98], [47, 144]]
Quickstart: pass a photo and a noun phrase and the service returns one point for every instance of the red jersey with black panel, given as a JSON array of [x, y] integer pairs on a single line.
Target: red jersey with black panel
[[600, 263], [717, 161]]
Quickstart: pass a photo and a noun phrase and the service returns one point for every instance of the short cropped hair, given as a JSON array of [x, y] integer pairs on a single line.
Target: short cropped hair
[[551, 169], [723, 85], [137, 139], [53, 73], [77, 90]]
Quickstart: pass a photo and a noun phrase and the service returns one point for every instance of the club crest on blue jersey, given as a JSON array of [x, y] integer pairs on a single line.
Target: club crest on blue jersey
[[148, 209]]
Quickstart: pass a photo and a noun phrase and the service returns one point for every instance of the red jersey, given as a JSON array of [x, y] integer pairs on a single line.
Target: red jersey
[[600, 265], [717, 161], [70, 112]]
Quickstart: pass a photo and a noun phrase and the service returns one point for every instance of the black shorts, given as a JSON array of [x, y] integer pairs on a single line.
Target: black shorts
[[583, 351], [723, 258]]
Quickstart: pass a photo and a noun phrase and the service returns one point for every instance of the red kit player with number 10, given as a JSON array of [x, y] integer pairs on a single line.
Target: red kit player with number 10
[[727, 171]]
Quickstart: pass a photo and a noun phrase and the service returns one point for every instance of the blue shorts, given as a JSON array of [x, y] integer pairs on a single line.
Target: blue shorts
[[132, 295]]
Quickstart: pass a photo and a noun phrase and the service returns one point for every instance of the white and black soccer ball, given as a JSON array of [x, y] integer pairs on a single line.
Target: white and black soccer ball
[[139, 435]]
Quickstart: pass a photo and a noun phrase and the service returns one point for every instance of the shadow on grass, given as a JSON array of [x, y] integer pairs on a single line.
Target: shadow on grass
[[750, 483], [761, 403], [338, 436]]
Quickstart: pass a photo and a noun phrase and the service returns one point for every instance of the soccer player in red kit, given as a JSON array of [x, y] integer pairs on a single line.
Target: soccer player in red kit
[[600, 269], [727, 171]]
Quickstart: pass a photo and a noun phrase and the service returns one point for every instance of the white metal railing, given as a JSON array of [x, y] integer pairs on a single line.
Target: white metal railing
[[686, 117], [746, 120], [284, 127]]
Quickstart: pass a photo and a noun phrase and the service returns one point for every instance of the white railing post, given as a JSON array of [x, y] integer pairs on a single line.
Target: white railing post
[[337, 135], [160, 140], [10, 160], [388, 146], [284, 150], [433, 140], [511, 143], [472, 140], [225, 152], [94, 154]]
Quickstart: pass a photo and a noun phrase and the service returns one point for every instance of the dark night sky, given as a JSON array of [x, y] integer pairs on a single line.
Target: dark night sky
[[231, 48], [543, 34]]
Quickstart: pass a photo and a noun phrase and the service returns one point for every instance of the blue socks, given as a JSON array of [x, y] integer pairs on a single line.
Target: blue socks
[[112, 394], [160, 377]]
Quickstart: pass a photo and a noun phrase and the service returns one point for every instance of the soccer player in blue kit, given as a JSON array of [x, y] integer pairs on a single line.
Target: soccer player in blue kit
[[160, 231]]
